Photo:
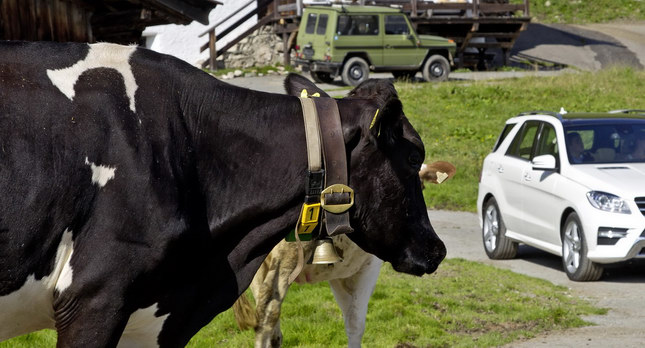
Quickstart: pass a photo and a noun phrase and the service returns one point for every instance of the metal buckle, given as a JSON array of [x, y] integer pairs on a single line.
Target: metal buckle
[[314, 182], [337, 208]]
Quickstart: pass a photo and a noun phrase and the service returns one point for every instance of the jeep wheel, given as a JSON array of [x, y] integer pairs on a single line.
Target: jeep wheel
[[355, 71], [404, 75], [321, 77], [436, 69]]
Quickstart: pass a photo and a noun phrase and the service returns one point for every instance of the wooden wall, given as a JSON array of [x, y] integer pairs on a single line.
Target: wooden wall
[[49, 20]]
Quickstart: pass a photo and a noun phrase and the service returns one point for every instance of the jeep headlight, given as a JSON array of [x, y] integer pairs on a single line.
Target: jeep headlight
[[608, 202]]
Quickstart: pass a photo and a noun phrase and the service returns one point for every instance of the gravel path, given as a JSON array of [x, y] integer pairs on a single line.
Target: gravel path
[[621, 290]]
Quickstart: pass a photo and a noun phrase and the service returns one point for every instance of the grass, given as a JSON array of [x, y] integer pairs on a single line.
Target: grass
[[459, 121], [586, 11], [463, 304]]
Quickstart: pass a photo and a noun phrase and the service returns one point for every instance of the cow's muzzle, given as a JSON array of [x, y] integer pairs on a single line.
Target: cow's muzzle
[[422, 262]]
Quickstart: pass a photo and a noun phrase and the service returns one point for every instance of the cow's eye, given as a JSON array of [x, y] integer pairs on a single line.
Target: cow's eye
[[415, 160]]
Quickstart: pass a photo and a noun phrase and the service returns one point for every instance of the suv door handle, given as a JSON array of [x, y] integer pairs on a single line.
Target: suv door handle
[[388, 46], [500, 169], [527, 176]]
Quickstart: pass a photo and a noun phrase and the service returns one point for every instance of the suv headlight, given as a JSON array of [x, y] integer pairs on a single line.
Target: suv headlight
[[608, 202]]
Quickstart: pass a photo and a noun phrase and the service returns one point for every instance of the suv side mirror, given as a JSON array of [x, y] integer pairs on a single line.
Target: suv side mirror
[[544, 162]]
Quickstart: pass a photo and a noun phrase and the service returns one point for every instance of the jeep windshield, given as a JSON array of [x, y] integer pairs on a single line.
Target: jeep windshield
[[590, 141]]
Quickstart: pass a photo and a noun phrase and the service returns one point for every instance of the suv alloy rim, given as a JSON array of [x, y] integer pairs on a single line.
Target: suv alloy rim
[[491, 228], [572, 246]]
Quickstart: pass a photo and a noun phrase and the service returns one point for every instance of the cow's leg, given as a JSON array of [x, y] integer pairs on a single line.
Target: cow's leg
[[269, 288], [353, 295], [89, 321]]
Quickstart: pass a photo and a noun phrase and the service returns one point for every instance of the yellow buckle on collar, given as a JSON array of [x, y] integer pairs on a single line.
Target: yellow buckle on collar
[[309, 217], [337, 208]]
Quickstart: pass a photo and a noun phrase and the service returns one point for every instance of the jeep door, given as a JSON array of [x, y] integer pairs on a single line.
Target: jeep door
[[358, 34], [312, 38], [400, 43]]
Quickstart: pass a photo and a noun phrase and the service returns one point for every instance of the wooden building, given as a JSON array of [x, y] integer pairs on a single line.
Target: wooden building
[[119, 21]]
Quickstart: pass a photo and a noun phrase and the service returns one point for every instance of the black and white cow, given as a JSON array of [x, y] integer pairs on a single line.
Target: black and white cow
[[132, 210]]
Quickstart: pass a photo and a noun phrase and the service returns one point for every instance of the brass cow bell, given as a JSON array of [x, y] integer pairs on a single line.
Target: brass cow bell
[[325, 253]]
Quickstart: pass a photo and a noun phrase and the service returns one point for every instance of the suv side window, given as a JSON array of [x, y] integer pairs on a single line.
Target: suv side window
[[502, 136], [395, 25], [523, 142], [547, 143], [357, 25], [311, 23], [322, 24]]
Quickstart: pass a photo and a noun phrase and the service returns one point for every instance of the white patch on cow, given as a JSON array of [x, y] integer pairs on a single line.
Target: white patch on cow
[[143, 328], [100, 55], [30, 308], [64, 256], [100, 174]]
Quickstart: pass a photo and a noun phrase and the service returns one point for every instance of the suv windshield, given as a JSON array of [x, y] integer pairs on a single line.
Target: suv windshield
[[605, 141]]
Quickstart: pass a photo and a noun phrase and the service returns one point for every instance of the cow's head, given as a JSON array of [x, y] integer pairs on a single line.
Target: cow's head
[[385, 154]]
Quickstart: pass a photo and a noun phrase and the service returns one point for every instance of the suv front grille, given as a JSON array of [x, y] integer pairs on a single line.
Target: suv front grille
[[640, 202]]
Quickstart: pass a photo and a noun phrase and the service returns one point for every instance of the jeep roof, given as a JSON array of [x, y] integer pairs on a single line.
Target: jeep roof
[[356, 9]]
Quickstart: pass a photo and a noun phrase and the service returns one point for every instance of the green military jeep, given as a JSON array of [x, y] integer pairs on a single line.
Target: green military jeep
[[352, 40]]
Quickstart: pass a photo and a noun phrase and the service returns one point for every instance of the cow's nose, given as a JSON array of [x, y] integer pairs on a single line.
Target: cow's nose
[[440, 250], [437, 254]]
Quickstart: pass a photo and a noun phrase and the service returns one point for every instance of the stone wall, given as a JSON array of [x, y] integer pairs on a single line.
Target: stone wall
[[261, 48]]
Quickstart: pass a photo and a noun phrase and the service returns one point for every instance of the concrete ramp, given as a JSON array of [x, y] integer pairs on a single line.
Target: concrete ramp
[[591, 48]]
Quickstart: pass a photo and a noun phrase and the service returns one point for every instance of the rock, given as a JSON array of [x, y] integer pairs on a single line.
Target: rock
[[237, 73], [259, 49]]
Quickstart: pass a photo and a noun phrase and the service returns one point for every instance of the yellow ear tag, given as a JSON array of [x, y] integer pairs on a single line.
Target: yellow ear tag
[[305, 94], [374, 119]]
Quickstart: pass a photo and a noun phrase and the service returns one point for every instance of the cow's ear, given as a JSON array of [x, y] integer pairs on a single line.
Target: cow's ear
[[379, 90], [387, 116], [386, 122], [295, 84]]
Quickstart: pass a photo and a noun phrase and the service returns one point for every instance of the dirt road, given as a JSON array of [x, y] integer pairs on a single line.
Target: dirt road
[[621, 290]]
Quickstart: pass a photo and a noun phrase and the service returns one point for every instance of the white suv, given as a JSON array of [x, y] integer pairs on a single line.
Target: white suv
[[572, 184]]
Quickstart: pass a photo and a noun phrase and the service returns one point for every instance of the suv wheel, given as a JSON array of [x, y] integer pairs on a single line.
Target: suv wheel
[[574, 252], [497, 246], [436, 68], [321, 77], [355, 71]]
